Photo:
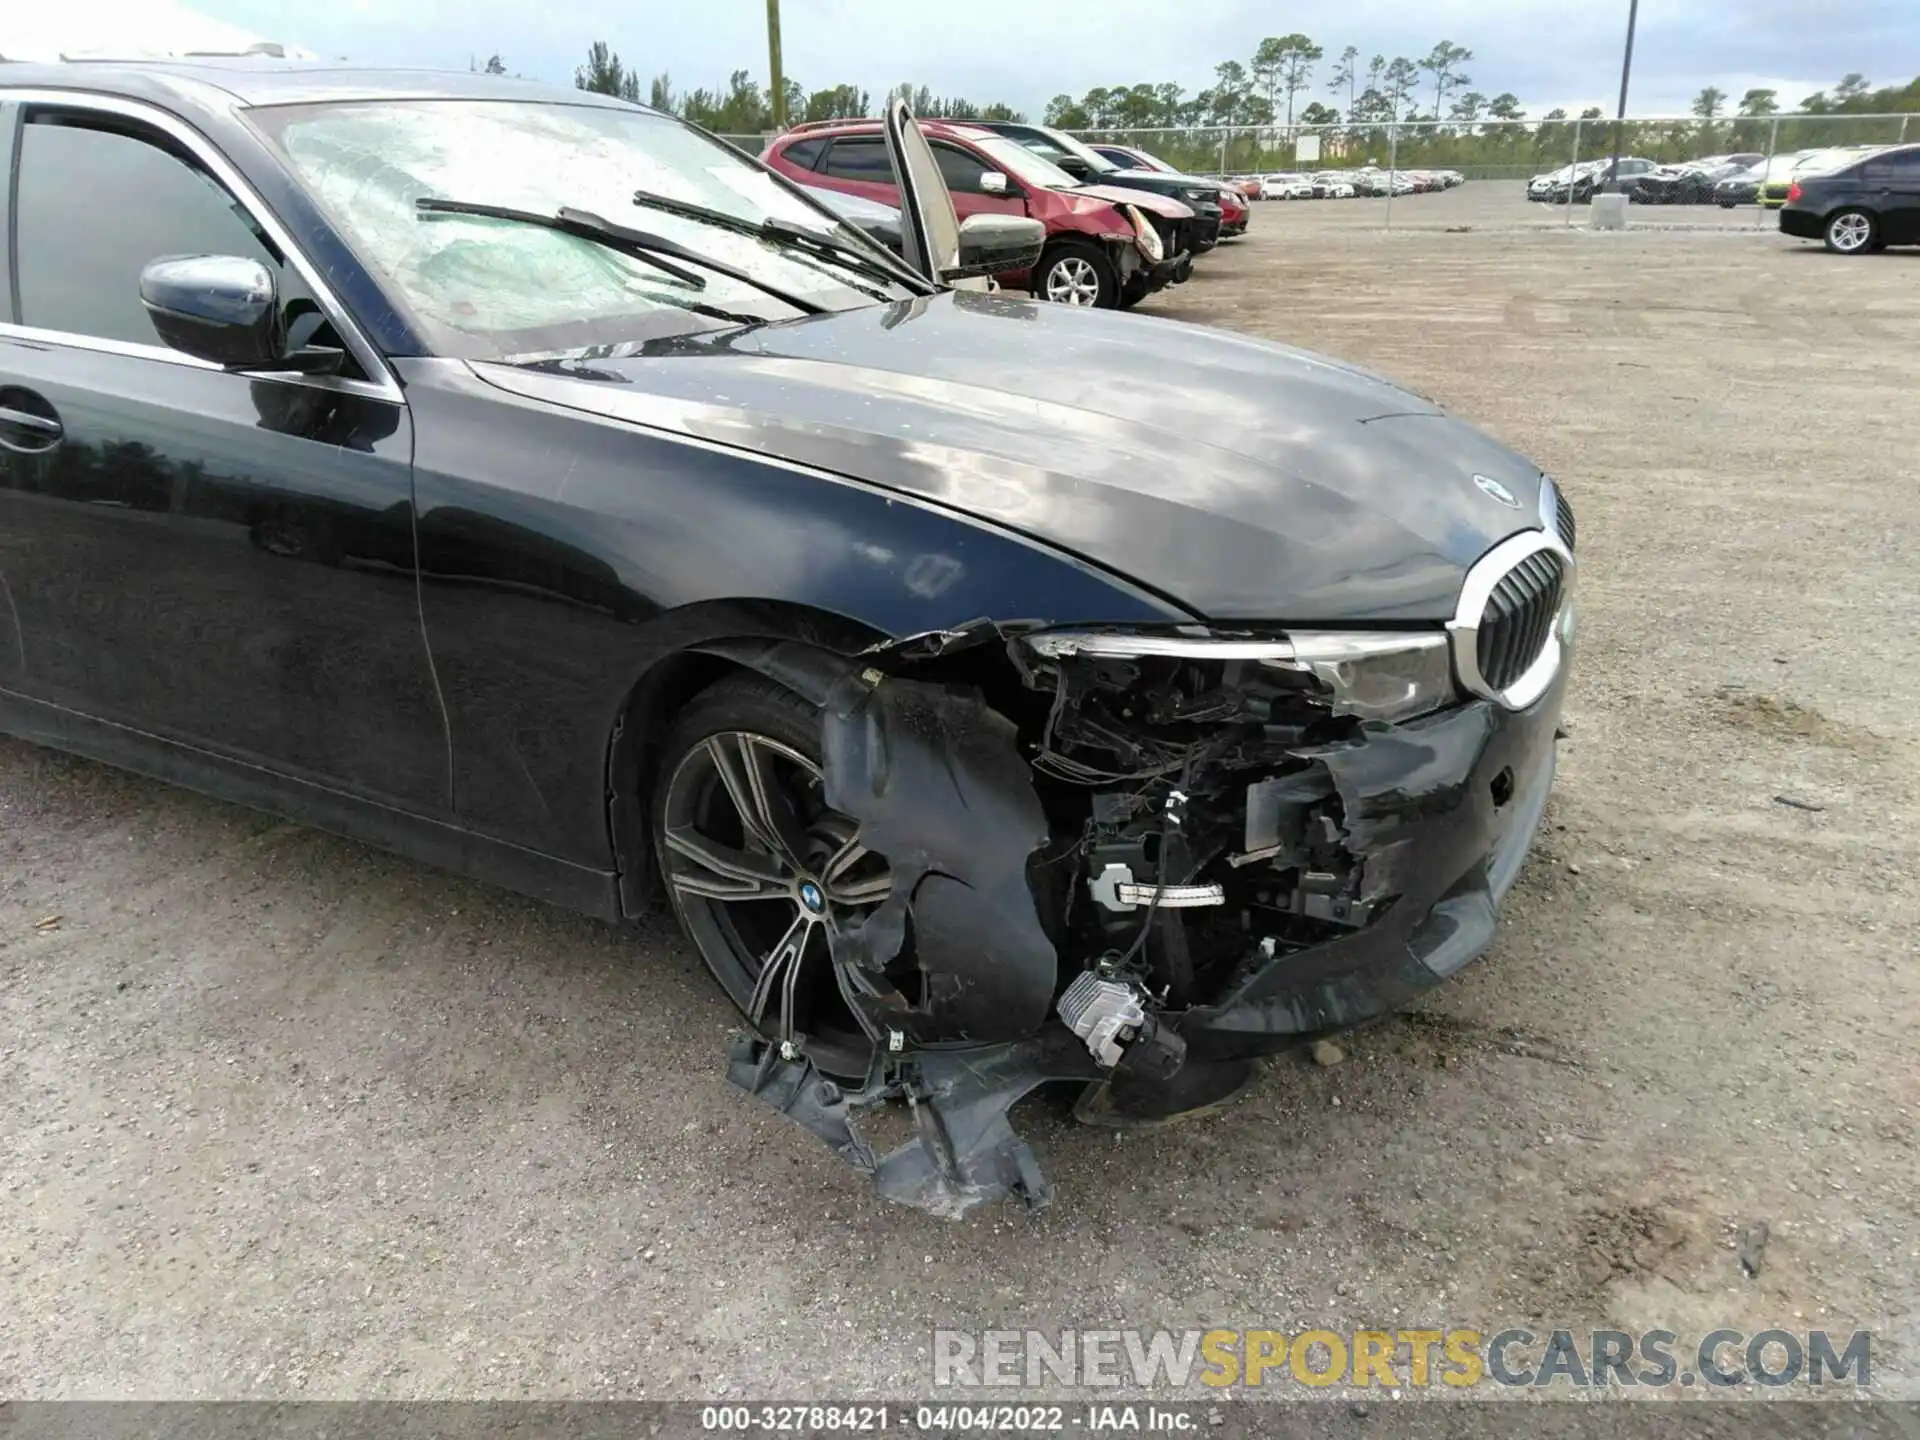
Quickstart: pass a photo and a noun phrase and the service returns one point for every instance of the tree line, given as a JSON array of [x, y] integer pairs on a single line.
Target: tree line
[[744, 107], [1247, 119]]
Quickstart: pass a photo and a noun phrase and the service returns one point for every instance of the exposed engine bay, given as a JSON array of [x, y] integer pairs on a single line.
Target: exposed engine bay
[[1101, 862]]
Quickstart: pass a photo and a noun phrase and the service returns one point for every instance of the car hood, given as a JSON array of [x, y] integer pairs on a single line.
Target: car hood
[[1150, 202], [1238, 478], [1158, 181]]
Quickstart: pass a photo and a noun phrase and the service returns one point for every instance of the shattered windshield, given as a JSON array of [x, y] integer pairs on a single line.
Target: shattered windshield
[[483, 288]]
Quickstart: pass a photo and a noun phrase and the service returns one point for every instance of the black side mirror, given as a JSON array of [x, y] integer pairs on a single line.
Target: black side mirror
[[1074, 166], [993, 244], [224, 308]]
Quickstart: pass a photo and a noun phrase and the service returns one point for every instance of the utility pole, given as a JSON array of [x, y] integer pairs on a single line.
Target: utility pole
[[777, 94], [1620, 116]]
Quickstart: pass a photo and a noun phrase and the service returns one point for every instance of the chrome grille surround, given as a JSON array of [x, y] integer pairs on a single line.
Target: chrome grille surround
[[1555, 513], [1543, 634]]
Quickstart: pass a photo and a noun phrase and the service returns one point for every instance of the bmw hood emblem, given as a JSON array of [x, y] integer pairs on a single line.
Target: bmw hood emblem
[[1498, 491]]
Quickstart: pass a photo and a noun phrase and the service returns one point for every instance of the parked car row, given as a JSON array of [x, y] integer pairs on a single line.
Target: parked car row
[[1577, 184], [1694, 182], [1724, 180], [1343, 184], [1855, 202], [1115, 233]]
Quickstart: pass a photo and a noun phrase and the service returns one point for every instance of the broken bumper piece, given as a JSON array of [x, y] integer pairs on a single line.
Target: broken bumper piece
[[964, 1152], [1445, 809]]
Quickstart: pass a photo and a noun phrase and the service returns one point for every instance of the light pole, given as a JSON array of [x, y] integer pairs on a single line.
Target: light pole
[[777, 96], [1620, 116]]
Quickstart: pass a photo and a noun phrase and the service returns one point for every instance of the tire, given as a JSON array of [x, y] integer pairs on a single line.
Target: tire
[[1852, 231], [756, 918], [1076, 272]]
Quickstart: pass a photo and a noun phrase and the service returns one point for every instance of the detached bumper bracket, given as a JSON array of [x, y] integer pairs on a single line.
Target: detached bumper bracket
[[965, 1151]]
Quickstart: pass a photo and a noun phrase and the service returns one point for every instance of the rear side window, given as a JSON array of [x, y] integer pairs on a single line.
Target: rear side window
[[804, 153], [1901, 167], [94, 206], [860, 158]]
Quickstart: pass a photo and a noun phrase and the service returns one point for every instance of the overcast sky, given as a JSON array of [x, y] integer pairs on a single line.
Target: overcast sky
[[1548, 52]]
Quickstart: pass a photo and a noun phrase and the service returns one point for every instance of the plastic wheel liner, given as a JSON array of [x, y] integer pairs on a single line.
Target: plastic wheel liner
[[936, 782]]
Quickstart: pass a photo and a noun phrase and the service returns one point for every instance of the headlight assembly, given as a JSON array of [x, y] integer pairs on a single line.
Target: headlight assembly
[[1146, 238], [1369, 674], [1379, 676]]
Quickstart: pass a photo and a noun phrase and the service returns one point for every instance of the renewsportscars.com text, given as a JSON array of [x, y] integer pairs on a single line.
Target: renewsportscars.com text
[[1455, 1359]]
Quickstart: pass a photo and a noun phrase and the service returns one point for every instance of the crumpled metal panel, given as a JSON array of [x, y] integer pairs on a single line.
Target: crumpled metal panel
[[937, 783]]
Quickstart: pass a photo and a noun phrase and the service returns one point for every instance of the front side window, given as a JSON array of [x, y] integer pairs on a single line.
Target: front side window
[[488, 288], [95, 205], [960, 170]]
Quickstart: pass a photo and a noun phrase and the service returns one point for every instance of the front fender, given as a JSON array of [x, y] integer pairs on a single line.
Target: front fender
[[563, 555]]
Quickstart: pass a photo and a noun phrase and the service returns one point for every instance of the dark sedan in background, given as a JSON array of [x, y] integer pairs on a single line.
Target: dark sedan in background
[[1235, 212], [1692, 183], [1865, 206], [1742, 187], [1090, 167], [999, 693]]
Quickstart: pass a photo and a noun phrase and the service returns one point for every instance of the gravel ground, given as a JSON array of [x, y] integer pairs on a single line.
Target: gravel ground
[[290, 1117]]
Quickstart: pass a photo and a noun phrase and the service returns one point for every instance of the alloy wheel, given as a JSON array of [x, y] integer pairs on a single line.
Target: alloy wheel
[[1073, 281], [758, 865], [1850, 232]]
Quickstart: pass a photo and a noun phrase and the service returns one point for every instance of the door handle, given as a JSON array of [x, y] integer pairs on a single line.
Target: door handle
[[28, 430]]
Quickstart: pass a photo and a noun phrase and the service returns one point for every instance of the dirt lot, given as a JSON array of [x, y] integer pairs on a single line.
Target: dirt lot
[[289, 1117]]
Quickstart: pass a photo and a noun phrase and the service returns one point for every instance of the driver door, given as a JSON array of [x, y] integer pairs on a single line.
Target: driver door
[[219, 560]]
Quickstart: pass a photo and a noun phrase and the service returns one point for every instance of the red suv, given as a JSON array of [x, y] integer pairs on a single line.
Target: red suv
[[1105, 247]]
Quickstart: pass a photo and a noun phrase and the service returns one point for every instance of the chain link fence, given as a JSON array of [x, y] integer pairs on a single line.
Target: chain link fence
[[1498, 149]]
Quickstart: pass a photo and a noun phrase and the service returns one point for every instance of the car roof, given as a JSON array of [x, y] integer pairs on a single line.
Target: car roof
[[826, 129], [225, 83]]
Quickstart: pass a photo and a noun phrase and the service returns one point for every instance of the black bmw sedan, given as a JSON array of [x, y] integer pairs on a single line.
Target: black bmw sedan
[[998, 693], [1859, 207]]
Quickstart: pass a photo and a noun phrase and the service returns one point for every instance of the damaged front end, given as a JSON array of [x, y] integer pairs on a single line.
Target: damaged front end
[[1137, 861]]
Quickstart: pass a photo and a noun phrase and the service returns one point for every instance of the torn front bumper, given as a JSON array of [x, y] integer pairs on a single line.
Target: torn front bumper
[[1423, 824], [1426, 796]]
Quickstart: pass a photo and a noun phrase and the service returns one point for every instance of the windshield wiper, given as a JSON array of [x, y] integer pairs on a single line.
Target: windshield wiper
[[637, 243], [817, 242]]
